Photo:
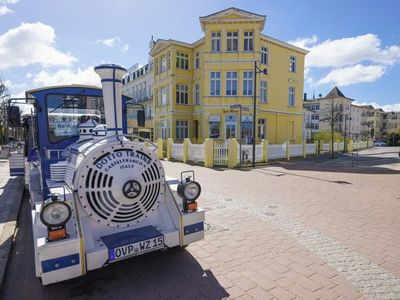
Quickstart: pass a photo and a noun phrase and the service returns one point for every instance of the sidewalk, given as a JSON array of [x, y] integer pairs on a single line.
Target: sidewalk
[[11, 192]]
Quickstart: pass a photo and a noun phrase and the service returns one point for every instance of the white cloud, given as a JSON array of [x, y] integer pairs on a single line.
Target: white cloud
[[5, 10], [108, 42], [353, 74], [31, 43], [386, 107], [348, 51], [305, 42], [125, 48], [8, 1], [29, 75], [11, 85], [67, 77]]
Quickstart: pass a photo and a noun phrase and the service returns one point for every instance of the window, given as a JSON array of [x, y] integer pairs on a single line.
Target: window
[[182, 92], [156, 66], [292, 64], [197, 60], [215, 41], [214, 130], [66, 112], [163, 64], [263, 92], [232, 41], [197, 93], [163, 96], [182, 129], [291, 96], [247, 83], [169, 61], [262, 129], [182, 60], [264, 55], [248, 41], [215, 83], [231, 83], [164, 130]]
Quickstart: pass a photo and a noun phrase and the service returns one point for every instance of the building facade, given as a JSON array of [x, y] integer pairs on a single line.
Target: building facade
[[195, 85], [138, 84]]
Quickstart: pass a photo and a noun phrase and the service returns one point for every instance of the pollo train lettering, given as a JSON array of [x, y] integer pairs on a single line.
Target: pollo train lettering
[[126, 159]]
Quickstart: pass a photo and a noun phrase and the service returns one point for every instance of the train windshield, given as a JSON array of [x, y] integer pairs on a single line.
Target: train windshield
[[66, 112]]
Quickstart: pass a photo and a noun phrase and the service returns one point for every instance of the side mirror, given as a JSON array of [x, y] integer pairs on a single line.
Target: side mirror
[[14, 116], [141, 118]]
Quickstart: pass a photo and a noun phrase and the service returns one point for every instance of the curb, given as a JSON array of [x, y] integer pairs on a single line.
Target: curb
[[9, 231]]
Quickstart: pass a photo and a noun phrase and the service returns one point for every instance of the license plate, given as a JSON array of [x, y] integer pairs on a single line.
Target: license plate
[[122, 252]]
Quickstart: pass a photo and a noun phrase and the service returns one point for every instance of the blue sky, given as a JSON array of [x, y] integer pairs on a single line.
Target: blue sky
[[353, 44]]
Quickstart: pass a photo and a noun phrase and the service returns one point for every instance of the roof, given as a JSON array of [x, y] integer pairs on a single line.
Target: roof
[[335, 93], [235, 13], [284, 44], [63, 86]]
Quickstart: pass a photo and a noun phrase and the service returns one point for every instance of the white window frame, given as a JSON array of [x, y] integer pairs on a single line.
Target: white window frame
[[263, 91], [248, 83], [182, 94], [215, 81], [292, 64], [231, 38], [182, 60], [248, 41], [197, 93], [197, 61], [182, 129], [231, 83], [264, 59], [262, 124], [215, 41], [292, 96]]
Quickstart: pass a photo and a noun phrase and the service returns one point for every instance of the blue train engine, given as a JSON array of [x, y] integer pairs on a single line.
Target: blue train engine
[[97, 197]]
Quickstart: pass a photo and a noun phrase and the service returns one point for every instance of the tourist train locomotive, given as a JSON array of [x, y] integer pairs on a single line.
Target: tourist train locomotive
[[96, 196]]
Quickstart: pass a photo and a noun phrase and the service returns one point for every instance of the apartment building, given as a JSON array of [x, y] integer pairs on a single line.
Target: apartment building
[[196, 84]]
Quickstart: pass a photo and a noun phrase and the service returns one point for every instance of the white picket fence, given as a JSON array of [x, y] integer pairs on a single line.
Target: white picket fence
[[195, 152], [220, 153]]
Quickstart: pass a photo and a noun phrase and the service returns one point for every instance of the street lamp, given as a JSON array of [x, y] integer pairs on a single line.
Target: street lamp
[[263, 71], [245, 108]]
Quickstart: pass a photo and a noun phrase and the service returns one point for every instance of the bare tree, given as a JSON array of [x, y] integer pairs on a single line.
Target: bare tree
[[332, 114], [3, 112]]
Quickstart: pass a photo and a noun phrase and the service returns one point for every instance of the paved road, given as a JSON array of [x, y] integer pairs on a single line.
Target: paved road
[[303, 229]]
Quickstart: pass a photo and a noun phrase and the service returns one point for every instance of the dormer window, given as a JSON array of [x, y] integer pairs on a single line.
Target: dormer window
[[232, 41], [248, 41], [215, 41]]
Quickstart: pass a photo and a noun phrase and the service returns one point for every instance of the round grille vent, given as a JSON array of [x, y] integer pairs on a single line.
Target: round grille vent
[[119, 184]]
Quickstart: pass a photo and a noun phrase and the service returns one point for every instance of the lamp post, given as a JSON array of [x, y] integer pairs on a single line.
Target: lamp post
[[263, 71]]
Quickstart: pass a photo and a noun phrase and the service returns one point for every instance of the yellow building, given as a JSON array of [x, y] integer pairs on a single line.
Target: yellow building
[[196, 84]]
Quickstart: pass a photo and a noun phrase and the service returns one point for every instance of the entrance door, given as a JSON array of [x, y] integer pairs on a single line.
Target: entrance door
[[230, 130]]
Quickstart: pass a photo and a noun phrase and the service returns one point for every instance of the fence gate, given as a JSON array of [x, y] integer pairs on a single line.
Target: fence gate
[[220, 153]]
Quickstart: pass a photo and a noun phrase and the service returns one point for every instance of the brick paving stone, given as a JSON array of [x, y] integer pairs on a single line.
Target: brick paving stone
[[259, 293], [301, 292], [234, 292], [308, 283], [282, 293], [244, 284]]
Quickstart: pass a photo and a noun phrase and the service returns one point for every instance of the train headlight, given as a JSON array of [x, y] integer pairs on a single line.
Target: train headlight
[[190, 190], [55, 214]]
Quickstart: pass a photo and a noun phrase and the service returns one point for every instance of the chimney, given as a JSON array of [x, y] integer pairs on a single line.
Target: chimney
[[305, 96], [111, 81]]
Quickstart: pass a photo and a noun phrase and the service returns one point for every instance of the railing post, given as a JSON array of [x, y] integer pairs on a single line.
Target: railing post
[[208, 153], [186, 143], [169, 148], [321, 147], [160, 145], [287, 150], [265, 150], [350, 146], [304, 149], [232, 153], [316, 144]]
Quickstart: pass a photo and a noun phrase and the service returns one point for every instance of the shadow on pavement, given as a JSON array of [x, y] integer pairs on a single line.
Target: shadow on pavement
[[370, 163], [172, 274]]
